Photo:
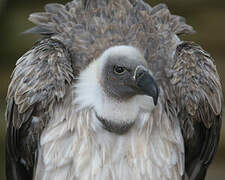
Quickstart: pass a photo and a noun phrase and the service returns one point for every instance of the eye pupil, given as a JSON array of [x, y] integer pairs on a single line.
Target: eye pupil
[[119, 69]]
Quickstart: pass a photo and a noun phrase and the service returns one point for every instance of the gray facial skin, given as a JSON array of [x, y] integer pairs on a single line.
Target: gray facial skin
[[134, 80]]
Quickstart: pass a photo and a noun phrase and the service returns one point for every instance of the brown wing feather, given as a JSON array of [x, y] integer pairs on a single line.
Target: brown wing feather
[[40, 78], [199, 100]]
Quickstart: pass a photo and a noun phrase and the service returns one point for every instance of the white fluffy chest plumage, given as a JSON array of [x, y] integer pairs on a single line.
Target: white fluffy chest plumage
[[73, 147]]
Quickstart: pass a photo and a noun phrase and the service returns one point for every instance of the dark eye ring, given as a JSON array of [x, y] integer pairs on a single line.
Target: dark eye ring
[[119, 69]]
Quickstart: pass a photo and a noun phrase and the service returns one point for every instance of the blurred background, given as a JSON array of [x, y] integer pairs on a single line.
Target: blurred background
[[206, 16]]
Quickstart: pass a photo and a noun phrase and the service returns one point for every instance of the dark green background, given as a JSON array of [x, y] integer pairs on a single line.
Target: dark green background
[[206, 16]]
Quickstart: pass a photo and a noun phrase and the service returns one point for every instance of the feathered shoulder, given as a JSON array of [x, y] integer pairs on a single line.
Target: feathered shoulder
[[39, 80]]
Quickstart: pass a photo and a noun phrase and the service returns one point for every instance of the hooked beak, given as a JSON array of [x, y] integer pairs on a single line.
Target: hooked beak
[[145, 83]]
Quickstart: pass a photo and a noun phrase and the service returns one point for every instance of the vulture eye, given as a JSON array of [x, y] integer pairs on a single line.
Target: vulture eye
[[119, 70]]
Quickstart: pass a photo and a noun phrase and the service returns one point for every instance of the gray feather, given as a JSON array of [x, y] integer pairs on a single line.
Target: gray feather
[[39, 80], [77, 33]]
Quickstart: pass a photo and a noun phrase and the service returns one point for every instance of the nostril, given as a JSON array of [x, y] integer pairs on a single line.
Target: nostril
[[140, 71], [139, 74]]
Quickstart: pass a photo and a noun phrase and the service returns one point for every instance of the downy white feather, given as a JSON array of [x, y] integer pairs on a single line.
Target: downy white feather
[[76, 146]]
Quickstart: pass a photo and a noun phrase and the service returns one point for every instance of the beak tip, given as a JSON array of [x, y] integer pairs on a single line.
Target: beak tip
[[155, 100], [155, 96]]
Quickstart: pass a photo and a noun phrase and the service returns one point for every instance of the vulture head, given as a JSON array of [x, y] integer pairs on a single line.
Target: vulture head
[[117, 85]]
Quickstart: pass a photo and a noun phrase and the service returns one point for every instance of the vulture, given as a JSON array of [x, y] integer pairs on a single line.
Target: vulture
[[110, 92]]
